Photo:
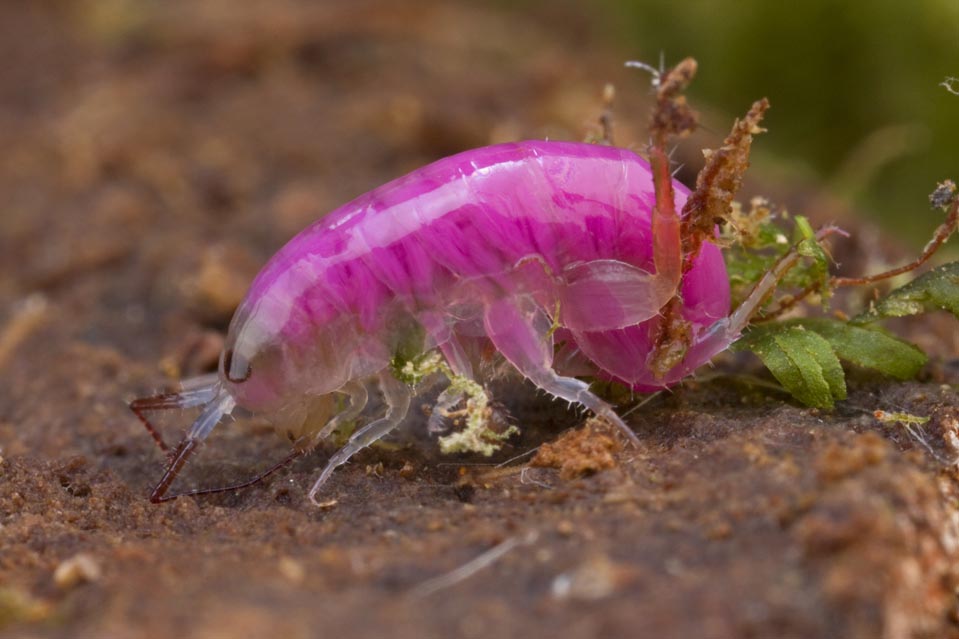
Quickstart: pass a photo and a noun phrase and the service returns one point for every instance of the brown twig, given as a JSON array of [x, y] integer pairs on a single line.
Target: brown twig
[[672, 116], [943, 196], [718, 182], [788, 303], [673, 335], [942, 234]]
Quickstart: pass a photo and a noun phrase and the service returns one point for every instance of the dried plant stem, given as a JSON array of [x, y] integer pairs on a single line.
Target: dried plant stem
[[470, 568], [942, 233], [939, 238], [787, 303], [749, 308], [718, 182], [671, 117]]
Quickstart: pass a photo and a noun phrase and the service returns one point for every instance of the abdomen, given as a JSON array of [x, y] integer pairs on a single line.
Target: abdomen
[[473, 215]]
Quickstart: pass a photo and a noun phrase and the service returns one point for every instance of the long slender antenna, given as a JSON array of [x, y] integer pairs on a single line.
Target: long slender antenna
[[196, 392], [184, 450], [221, 403]]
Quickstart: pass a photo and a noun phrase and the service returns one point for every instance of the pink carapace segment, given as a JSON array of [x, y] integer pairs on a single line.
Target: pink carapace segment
[[542, 253], [442, 243]]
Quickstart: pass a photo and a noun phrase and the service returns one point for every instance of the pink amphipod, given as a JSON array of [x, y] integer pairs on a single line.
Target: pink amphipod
[[518, 246]]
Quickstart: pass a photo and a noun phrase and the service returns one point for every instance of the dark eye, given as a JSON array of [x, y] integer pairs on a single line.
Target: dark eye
[[236, 369]]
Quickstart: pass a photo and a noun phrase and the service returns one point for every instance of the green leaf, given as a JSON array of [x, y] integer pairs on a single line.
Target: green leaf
[[803, 362], [939, 288], [817, 270], [745, 265], [803, 354], [804, 230], [865, 347]]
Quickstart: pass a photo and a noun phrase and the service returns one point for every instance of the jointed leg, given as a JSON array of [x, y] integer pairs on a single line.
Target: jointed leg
[[160, 497], [520, 332], [195, 393], [607, 294], [460, 366], [456, 357], [397, 397], [577, 391], [213, 411], [358, 397]]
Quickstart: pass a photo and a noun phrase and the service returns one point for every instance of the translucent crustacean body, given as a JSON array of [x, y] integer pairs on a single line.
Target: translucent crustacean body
[[518, 245]]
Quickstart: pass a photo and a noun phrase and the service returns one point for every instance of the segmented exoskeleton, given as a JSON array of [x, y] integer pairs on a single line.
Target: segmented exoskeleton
[[522, 246]]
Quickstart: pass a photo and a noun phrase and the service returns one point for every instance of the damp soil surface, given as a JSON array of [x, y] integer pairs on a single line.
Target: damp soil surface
[[156, 154]]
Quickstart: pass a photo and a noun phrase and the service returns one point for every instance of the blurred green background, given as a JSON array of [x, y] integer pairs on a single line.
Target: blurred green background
[[854, 87]]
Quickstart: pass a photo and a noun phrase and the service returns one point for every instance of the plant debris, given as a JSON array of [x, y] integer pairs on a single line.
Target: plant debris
[[580, 452]]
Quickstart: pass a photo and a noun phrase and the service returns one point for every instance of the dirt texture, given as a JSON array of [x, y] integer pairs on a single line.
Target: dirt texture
[[156, 154]]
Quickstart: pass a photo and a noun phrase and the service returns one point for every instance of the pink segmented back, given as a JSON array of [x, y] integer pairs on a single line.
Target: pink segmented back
[[447, 239], [509, 248]]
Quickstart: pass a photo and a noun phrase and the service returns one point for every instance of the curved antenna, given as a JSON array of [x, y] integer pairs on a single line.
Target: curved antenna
[[200, 391], [159, 496], [194, 392], [221, 404]]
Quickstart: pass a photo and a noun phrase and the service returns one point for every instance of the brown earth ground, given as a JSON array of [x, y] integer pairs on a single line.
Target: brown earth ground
[[154, 155]]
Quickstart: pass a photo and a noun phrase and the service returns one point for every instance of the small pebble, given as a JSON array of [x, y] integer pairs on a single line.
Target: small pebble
[[81, 568], [292, 570], [596, 578], [408, 471]]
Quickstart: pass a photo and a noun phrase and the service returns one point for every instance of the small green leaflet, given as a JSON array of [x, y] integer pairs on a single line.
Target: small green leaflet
[[868, 348], [817, 269], [745, 266], [803, 362], [939, 288], [803, 355]]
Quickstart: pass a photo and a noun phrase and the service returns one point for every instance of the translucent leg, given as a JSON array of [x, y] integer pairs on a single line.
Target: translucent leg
[[358, 397], [577, 391], [199, 383], [213, 411], [607, 294], [195, 392], [441, 333], [441, 409], [520, 332], [459, 364], [397, 396], [220, 405], [456, 357]]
